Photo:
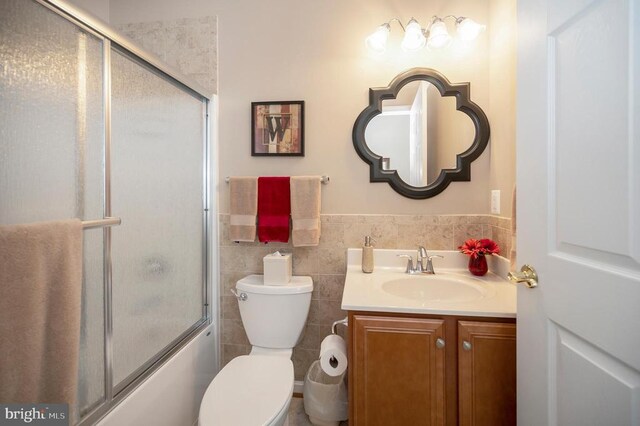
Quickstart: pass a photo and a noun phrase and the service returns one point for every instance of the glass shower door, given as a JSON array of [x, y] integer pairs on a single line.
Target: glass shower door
[[88, 130], [157, 159], [52, 149]]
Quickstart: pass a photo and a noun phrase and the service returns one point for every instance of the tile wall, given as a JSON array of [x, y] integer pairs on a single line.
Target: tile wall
[[326, 264], [189, 45]]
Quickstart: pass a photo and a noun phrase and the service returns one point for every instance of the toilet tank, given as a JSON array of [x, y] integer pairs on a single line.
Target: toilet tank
[[274, 316]]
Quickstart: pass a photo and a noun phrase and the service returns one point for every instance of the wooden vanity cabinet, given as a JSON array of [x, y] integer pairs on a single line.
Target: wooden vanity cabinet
[[398, 371], [407, 369], [486, 373]]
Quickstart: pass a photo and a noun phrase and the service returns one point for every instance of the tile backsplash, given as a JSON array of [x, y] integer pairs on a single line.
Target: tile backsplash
[[326, 264]]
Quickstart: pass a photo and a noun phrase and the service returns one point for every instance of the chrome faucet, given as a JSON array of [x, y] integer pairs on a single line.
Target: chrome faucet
[[428, 268], [411, 270], [420, 266], [422, 255]]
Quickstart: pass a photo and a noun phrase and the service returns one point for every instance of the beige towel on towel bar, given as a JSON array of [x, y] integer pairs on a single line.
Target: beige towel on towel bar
[[243, 197], [40, 287], [305, 210]]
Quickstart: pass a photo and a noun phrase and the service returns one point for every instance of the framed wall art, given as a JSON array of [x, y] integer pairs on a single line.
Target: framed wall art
[[277, 128]]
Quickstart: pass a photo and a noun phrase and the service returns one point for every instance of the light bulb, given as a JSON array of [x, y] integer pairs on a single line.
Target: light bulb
[[413, 38], [468, 29], [438, 35], [377, 41]]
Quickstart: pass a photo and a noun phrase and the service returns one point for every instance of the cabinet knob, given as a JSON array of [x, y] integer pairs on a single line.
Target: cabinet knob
[[439, 343], [466, 345]]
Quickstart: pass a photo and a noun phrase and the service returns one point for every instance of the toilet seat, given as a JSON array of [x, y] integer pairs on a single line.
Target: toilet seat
[[252, 390]]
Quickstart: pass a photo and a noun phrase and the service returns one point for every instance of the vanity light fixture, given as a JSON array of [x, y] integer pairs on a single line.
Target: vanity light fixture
[[468, 29], [414, 39], [378, 40], [439, 37], [435, 36]]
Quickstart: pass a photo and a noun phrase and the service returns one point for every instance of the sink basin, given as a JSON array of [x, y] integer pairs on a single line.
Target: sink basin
[[435, 288], [451, 291]]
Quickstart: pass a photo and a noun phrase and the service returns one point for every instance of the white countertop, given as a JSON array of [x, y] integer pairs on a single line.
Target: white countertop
[[364, 292]]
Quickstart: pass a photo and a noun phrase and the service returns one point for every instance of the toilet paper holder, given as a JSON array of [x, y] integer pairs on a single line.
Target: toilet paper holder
[[334, 330], [334, 326]]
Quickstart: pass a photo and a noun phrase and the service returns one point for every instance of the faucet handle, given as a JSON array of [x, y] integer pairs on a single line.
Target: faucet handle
[[410, 267], [428, 268]]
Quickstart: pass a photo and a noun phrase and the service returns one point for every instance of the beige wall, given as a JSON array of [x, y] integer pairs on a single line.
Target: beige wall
[[502, 99], [302, 49]]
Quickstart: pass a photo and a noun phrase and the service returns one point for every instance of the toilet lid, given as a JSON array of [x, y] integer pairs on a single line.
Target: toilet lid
[[255, 284], [249, 391]]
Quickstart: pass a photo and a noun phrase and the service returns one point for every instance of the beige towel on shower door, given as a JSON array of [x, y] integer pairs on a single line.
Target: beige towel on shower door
[[243, 208], [40, 291], [305, 210]]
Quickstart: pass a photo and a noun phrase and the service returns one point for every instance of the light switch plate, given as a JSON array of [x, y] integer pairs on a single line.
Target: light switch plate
[[495, 201]]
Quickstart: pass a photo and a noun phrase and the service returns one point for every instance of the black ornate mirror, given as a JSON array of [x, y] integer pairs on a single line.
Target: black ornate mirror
[[420, 133]]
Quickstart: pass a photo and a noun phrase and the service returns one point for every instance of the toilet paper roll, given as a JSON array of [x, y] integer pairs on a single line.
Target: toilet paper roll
[[333, 355]]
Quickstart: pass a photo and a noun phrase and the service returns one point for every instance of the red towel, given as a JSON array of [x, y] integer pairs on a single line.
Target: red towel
[[274, 209]]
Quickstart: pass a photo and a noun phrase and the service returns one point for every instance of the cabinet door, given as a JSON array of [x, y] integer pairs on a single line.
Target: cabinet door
[[487, 373], [398, 371]]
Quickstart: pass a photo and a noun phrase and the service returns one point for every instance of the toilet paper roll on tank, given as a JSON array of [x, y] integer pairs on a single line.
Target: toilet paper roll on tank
[[333, 355], [278, 268]]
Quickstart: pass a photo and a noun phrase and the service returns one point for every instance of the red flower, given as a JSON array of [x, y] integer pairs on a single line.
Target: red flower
[[470, 248], [475, 248], [489, 246]]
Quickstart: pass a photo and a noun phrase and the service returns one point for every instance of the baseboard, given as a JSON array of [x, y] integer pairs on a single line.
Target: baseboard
[[297, 387]]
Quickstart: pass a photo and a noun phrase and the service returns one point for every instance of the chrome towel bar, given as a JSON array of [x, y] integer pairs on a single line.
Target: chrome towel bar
[[323, 179], [101, 223]]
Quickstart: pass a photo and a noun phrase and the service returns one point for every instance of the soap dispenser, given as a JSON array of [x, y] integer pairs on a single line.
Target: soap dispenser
[[367, 255]]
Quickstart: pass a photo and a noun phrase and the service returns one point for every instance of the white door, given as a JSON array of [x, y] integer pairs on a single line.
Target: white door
[[578, 149]]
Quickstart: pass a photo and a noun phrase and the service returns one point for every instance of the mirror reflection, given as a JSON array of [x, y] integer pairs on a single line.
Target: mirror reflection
[[419, 133]]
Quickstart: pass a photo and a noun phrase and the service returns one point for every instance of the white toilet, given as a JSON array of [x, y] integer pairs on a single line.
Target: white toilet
[[256, 389]]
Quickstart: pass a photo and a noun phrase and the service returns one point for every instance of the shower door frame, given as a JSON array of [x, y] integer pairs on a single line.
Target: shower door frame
[[111, 39]]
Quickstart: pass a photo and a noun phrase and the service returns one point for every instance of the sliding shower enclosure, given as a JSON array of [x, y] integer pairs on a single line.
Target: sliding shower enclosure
[[93, 127]]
